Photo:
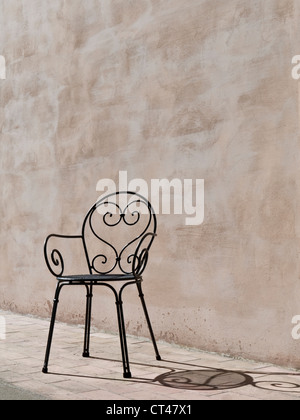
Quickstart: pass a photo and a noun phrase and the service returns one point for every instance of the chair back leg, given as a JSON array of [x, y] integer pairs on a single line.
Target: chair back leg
[[88, 316], [141, 295]]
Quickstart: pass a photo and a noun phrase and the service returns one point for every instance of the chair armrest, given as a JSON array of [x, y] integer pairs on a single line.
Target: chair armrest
[[140, 258], [54, 256]]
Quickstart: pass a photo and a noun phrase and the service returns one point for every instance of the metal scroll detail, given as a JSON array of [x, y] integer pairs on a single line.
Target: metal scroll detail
[[54, 258], [131, 211], [58, 261]]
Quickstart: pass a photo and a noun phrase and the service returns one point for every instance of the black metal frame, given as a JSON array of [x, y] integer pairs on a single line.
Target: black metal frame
[[130, 213]]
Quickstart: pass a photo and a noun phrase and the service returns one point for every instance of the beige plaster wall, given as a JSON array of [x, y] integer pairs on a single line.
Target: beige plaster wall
[[161, 89]]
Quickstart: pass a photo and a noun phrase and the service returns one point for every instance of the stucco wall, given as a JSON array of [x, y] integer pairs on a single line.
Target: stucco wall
[[161, 89]]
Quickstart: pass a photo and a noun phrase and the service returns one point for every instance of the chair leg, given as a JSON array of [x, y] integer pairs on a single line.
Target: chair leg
[[87, 331], [51, 329], [123, 340], [141, 295]]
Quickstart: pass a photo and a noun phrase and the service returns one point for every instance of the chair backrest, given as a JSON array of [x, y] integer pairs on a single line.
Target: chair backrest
[[124, 226]]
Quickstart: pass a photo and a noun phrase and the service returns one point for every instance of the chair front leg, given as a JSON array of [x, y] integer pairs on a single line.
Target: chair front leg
[[123, 340], [52, 323]]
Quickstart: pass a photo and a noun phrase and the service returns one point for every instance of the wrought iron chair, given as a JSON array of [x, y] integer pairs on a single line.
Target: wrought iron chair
[[109, 264]]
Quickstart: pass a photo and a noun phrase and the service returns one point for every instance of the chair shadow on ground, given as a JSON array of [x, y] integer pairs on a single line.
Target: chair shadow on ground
[[194, 377]]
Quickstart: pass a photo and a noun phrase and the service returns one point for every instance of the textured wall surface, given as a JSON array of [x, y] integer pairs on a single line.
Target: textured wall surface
[[161, 89]]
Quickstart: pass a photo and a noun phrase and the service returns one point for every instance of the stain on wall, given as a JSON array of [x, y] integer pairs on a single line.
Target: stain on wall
[[161, 89]]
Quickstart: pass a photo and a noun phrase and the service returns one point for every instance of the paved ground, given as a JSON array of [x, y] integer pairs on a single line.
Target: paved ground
[[183, 374], [11, 392]]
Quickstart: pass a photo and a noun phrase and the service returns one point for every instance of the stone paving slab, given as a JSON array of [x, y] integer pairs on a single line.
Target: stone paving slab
[[182, 375], [10, 392]]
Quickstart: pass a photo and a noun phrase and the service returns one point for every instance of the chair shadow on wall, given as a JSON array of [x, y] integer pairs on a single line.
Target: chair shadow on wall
[[194, 377]]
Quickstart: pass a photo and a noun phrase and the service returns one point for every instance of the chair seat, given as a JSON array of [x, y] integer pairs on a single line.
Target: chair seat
[[97, 277]]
